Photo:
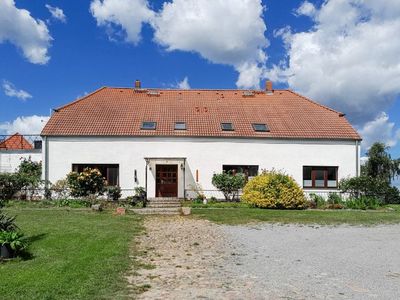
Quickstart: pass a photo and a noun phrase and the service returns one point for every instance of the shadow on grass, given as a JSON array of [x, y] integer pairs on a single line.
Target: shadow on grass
[[25, 254]]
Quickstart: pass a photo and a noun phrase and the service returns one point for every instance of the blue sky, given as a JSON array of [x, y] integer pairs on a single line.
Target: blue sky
[[93, 46]]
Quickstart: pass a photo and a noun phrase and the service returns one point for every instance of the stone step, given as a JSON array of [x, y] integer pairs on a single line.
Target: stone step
[[160, 205], [164, 199], [165, 202], [157, 211]]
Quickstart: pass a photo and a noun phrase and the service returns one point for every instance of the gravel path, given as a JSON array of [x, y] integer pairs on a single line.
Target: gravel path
[[196, 259]]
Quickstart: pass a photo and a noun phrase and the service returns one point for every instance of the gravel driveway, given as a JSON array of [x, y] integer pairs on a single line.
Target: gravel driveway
[[196, 259]]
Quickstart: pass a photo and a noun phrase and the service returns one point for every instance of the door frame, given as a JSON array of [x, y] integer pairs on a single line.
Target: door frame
[[158, 185]]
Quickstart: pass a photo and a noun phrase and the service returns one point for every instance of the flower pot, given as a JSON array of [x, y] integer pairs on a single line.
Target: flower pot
[[5, 251], [186, 211]]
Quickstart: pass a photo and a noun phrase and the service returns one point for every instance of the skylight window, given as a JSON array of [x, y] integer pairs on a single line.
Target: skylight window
[[149, 125], [180, 126], [260, 127], [227, 126]]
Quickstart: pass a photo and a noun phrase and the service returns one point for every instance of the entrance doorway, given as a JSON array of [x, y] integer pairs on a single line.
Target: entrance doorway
[[166, 180]]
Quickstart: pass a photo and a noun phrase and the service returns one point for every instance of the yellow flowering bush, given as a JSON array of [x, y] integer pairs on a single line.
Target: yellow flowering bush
[[88, 182], [272, 189]]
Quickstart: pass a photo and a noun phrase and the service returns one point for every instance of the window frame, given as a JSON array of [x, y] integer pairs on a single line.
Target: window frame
[[143, 127], [254, 125], [184, 123], [232, 128], [314, 169], [243, 167], [79, 167]]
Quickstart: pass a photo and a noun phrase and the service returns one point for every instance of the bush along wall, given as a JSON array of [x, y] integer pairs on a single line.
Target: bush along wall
[[273, 189]]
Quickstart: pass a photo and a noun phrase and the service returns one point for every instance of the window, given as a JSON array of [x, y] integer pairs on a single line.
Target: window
[[249, 171], [227, 126], [149, 125], [260, 127], [320, 177], [108, 171], [180, 126]]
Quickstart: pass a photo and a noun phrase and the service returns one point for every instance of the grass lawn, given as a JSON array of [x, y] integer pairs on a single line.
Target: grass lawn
[[243, 215], [75, 255]]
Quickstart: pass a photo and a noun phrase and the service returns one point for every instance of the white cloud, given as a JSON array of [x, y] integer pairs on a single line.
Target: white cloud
[[222, 32], [184, 84], [122, 17], [57, 13], [379, 130], [18, 27], [11, 91], [349, 60], [24, 125], [306, 9]]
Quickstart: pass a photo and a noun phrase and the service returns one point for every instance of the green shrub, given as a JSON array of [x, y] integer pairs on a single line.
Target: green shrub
[[10, 184], [363, 202], [334, 201], [370, 187], [229, 184], [14, 241], [7, 223], [317, 201], [274, 190], [90, 182], [114, 192]]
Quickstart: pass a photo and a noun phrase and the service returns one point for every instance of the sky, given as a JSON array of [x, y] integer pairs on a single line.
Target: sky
[[341, 53]]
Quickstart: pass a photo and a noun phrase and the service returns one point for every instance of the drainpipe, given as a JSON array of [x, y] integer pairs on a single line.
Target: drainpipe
[[357, 160], [184, 179], [46, 162], [145, 184]]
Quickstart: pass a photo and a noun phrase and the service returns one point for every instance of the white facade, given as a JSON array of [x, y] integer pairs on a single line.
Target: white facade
[[194, 157], [11, 159]]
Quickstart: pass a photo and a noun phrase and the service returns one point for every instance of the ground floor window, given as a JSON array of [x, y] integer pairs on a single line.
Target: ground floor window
[[109, 171], [320, 177], [248, 170]]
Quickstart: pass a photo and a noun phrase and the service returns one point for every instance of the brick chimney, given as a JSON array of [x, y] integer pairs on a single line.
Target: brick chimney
[[138, 85], [268, 87]]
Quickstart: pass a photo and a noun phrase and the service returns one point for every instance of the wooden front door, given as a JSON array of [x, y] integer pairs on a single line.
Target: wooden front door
[[166, 180]]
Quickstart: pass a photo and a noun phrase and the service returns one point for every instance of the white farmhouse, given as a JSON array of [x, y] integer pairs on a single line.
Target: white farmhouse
[[172, 140]]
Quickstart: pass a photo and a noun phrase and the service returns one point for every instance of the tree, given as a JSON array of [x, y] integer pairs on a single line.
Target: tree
[[380, 165], [229, 184]]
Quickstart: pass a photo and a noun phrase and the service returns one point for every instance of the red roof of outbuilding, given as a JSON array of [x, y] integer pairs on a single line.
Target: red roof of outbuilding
[[121, 111], [16, 142]]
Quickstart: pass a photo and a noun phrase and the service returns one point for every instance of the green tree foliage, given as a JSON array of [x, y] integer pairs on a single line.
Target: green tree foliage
[[90, 182], [229, 184], [272, 189], [376, 177], [380, 165]]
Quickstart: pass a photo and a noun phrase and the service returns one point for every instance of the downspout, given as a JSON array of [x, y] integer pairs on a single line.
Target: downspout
[[357, 159], [46, 162], [184, 179], [145, 183]]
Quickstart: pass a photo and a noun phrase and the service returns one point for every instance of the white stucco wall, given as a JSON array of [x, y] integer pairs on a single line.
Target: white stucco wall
[[11, 159], [207, 155]]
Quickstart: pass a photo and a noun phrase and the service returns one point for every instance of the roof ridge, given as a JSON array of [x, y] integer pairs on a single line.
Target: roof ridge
[[341, 114], [80, 99], [188, 90]]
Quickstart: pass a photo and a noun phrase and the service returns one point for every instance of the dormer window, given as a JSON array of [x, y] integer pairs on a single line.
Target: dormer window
[[180, 126], [149, 125], [260, 127], [227, 127]]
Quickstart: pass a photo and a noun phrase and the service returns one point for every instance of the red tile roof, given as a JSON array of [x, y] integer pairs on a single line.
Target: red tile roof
[[16, 142], [121, 111]]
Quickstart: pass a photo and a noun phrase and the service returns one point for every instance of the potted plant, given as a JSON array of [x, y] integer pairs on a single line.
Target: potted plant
[[11, 243]]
